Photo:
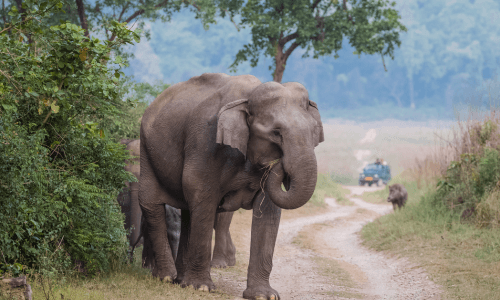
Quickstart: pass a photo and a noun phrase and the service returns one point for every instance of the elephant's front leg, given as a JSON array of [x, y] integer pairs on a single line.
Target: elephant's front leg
[[224, 250], [196, 263], [265, 224]]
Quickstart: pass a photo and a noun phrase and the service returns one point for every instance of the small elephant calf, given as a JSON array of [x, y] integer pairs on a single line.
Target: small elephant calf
[[397, 195]]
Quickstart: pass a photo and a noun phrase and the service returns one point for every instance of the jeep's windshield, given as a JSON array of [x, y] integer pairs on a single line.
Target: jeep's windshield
[[373, 167]]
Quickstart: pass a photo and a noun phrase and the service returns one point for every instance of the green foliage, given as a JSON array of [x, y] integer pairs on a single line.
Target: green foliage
[[59, 172], [470, 181], [372, 26]]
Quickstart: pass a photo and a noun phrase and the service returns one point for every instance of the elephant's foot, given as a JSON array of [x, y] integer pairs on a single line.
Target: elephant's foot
[[261, 293], [165, 275], [205, 285], [223, 261]]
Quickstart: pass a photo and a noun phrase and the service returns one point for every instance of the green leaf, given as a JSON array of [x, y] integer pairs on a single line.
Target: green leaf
[[54, 107]]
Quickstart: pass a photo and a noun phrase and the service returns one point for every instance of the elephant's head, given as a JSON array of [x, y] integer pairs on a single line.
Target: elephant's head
[[276, 127]]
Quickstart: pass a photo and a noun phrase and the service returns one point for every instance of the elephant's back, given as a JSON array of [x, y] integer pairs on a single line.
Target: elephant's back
[[133, 165], [179, 99]]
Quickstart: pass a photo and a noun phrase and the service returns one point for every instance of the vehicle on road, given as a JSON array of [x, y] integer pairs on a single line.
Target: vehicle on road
[[376, 173]]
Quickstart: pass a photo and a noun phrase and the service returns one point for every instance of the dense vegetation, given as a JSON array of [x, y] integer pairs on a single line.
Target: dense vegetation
[[451, 222], [60, 172]]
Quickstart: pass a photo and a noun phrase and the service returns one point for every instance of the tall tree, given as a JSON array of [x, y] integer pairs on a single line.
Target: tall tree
[[281, 26], [101, 13], [97, 17]]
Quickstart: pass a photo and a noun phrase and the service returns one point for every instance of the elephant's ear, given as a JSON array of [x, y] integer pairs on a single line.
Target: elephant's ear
[[232, 127], [318, 129]]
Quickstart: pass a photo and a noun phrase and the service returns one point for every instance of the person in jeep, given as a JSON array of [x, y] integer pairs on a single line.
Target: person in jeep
[[376, 173]]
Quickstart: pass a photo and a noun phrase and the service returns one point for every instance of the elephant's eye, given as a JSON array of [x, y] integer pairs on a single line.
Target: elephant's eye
[[276, 132]]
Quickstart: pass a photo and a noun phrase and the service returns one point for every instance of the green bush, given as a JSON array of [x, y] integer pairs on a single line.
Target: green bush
[[472, 180], [60, 173]]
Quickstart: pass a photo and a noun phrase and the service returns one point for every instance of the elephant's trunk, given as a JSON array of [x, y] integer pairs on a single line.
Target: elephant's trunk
[[299, 173]]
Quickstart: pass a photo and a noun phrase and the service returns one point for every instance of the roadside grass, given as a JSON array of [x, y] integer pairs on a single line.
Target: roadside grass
[[459, 256], [130, 282], [376, 197], [327, 187], [414, 189], [442, 229]]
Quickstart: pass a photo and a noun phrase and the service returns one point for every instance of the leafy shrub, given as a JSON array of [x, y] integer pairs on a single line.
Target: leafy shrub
[[469, 186], [60, 172]]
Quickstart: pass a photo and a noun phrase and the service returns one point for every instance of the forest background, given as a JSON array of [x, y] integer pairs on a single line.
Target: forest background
[[448, 59]]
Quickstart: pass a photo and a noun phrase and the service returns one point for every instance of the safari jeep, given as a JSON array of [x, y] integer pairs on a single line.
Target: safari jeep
[[375, 174]]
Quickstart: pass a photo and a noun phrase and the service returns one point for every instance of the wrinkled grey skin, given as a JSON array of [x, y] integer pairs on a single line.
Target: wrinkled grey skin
[[397, 195], [129, 197], [217, 143], [224, 250]]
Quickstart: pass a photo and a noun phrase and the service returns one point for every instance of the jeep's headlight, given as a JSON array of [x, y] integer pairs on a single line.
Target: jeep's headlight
[[376, 176]]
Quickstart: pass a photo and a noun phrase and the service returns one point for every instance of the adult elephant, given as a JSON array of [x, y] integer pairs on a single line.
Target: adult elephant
[[217, 143], [224, 251]]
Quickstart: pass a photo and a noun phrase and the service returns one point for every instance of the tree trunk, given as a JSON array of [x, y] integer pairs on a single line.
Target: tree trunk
[[280, 60], [83, 18]]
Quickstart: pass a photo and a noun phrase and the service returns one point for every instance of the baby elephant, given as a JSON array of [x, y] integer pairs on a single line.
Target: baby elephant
[[397, 195]]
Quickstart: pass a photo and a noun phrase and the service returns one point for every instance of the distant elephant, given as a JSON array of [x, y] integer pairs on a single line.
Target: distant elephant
[[217, 143], [224, 251], [129, 197]]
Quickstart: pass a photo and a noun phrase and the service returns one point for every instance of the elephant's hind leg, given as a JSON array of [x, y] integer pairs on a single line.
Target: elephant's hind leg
[[156, 237], [224, 250], [152, 199]]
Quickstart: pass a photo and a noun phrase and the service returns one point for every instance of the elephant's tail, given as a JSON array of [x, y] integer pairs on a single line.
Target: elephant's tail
[[143, 223]]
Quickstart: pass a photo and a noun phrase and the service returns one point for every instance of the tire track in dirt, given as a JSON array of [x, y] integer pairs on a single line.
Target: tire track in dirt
[[358, 272]]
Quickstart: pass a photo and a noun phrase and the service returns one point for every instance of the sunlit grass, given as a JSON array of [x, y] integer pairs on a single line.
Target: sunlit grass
[[461, 257]]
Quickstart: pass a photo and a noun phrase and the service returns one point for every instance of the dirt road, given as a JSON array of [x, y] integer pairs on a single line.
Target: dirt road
[[321, 257]]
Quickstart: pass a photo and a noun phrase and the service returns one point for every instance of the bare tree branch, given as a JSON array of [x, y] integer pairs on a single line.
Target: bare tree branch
[[383, 61], [123, 11], [288, 38], [290, 50], [136, 14]]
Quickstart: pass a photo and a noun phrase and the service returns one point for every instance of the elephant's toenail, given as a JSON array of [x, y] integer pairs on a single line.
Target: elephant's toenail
[[204, 288], [167, 279], [273, 297]]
